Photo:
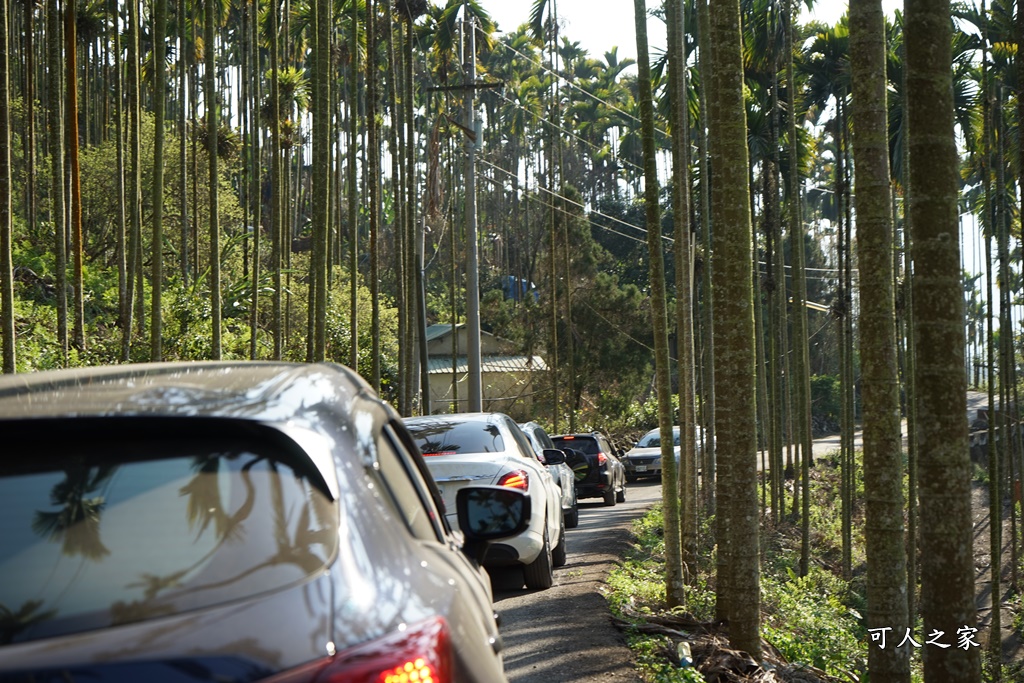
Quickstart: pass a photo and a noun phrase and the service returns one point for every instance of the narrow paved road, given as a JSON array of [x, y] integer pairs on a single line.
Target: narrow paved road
[[564, 633]]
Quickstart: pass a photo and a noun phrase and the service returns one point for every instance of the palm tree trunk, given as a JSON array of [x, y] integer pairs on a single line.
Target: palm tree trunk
[[6, 224], [210, 96], [353, 216], [159, 103], [321, 176], [709, 464], [70, 54], [374, 150], [276, 212], [684, 291], [739, 580], [183, 146], [56, 134], [883, 447], [674, 578], [122, 235], [134, 290], [30, 118], [947, 568], [256, 191]]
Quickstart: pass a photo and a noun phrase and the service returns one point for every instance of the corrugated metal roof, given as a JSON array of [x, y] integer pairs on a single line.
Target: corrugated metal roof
[[443, 365], [436, 331]]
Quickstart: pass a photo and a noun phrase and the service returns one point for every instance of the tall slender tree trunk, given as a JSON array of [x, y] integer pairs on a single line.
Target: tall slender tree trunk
[[276, 177], [739, 579], [70, 55], [321, 174], [709, 461], [674, 576], [122, 220], [159, 107], [684, 289], [256, 191], [409, 240], [210, 96], [30, 118], [374, 153], [883, 444], [797, 244], [134, 292], [6, 223], [183, 147], [353, 216], [947, 567], [57, 209]]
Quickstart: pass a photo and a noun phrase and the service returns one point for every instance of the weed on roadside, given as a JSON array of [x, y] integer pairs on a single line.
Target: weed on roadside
[[811, 624]]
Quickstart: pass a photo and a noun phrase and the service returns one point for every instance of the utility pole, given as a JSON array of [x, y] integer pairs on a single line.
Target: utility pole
[[472, 132], [472, 257]]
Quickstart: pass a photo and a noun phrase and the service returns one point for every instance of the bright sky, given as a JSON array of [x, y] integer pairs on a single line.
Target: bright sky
[[599, 25]]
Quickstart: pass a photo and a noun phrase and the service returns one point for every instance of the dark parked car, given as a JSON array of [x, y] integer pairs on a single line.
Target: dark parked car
[[188, 522], [604, 476]]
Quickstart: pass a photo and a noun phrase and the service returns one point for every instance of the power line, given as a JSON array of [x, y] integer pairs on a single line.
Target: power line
[[563, 130], [573, 85], [535, 198], [577, 204]]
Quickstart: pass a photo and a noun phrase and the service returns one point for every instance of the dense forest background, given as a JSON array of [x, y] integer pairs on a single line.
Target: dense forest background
[[559, 177], [292, 180]]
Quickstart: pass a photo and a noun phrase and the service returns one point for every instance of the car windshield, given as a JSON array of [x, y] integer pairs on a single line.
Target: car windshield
[[444, 437], [653, 439], [583, 444], [123, 529]]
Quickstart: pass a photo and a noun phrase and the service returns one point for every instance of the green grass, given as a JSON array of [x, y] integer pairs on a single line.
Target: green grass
[[814, 620]]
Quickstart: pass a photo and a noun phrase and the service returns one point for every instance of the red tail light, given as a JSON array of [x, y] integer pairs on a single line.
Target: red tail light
[[601, 459], [427, 455], [421, 652], [516, 480]]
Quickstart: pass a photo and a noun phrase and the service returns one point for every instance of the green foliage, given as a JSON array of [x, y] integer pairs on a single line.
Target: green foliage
[[826, 399], [809, 620], [815, 620], [654, 656]]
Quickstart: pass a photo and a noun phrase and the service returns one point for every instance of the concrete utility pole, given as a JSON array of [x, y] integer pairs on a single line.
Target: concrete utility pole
[[472, 259]]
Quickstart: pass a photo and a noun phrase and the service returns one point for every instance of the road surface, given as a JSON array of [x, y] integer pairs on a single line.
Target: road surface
[[565, 633]]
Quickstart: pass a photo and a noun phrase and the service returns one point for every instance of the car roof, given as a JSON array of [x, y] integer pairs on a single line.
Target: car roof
[[675, 428], [457, 417], [269, 391], [293, 399]]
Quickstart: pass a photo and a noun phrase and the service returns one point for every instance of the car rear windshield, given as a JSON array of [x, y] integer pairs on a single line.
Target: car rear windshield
[[583, 444], [653, 440], [120, 529], [444, 437]]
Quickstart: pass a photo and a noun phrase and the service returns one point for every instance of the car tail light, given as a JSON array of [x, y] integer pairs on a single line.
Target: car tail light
[[421, 652], [427, 455], [601, 459], [516, 480]]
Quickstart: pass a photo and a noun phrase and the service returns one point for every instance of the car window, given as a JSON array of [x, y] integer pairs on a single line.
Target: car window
[[442, 437], [520, 438], [583, 444], [542, 437], [653, 439], [407, 489], [114, 530], [650, 440]]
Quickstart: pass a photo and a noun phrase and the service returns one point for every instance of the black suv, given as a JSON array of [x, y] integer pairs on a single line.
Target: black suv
[[603, 476]]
